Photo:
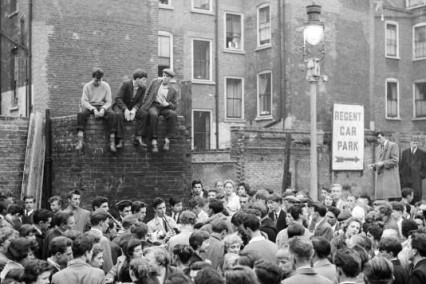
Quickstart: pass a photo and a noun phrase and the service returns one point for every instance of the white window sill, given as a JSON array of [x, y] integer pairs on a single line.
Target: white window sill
[[204, 12], [235, 51], [262, 47], [13, 14], [393, 118], [203, 82], [415, 7], [393, 57], [166, 7], [261, 118], [418, 118], [235, 120], [418, 59]]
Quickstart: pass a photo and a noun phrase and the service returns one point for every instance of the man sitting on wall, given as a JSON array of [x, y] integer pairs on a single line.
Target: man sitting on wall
[[161, 100], [96, 99]]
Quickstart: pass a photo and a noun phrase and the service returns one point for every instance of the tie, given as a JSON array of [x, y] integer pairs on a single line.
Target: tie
[[412, 151], [165, 225], [276, 217], [135, 90]]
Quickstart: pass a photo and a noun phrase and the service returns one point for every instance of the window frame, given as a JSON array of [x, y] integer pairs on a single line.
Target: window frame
[[423, 24], [397, 39], [226, 98], [392, 80], [197, 10], [211, 127], [165, 6], [414, 7], [259, 116], [261, 46], [235, 50], [170, 35], [14, 13], [210, 79], [414, 100]]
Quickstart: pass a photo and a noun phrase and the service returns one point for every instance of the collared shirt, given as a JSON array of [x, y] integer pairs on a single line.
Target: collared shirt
[[303, 267], [162, 93], [57, 266], [256, 239], [135, 88]]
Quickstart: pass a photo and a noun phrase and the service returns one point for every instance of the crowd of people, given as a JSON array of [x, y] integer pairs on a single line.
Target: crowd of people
[[228, 234]]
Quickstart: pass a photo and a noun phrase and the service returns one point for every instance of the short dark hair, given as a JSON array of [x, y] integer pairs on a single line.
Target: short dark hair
[[418, 241], [397, 206], [216, 206], [252, 222], [385, 209], [218, 225], [407, 191], [275, 197], [98, 216], [248, 257], [197, 238], [26, 229], [301, 247], [407, 226], [123, 204], [349, 261], [41, 215], [98, 201], [140, 229], [377, 133], [15, 209], [196, 201], [73, 192], [81, 245], [140, 267], [267, 272], [183, 252], [209, 275], [34, 268], [177, 278], [59, 244], [130, 246], [379, 270], [295, 211], [19, 248], [238, 218], [28, 197], [261, 207], [375, 231], [97, 73], [139, 73], [157, 201], [137, 206], [196, 181], [61, 217], [334, 210], [390, 245], [320, 208], [295, 229], [322, 247], [174, 200]]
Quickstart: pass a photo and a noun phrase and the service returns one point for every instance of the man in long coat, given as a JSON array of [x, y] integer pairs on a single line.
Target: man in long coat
[[387, 170], [412, 168]]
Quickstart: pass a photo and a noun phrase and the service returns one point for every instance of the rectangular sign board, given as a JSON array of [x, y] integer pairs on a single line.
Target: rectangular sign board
[[348, 137]]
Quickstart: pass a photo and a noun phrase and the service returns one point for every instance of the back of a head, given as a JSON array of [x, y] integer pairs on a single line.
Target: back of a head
[[378, 270], [295, 212], [178, 278], [139, 229], [321, 246], [295, 229], [390, 245], [140, 267], [209, 275], [183, 252], [407, 226], [35, 268], [240, 274], [81, 245], [248, 258], [301, 247], [216, 206], [261, 207], [218, 225], [267, 272], [349, 261], [197, 238], [187, 218], [252, 222]]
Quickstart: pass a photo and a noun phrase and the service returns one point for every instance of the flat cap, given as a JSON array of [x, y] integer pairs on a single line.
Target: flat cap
[[169, 72], [100, 212], [344, 216], [292, 199]]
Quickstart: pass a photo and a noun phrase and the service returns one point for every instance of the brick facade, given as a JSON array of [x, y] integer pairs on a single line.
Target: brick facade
[[13, 143], [131, 173]]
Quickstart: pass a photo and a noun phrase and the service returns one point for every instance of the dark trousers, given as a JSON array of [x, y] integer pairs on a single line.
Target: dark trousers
[[139, 119], [169, 115], [109, 116]]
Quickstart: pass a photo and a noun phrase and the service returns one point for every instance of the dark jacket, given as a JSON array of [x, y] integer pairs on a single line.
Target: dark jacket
[[152, 93], [418, 272], [125, 99], [280, 223], [268, 226], [400, 273]]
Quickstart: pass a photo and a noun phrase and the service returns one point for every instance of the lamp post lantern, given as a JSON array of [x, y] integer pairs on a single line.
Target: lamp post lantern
[[313, 35]]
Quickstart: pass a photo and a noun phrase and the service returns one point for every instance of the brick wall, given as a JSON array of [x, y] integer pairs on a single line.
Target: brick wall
[[70, 37], [131, 173], [13, 142]]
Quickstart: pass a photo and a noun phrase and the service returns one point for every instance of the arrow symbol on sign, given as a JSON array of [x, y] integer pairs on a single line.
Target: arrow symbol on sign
[[343, 159]]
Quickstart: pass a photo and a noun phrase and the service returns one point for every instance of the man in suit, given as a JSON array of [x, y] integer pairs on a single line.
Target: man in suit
[[387, 173], [128, 106], [412, 168], [29, 203], [348, 264], [301, 249], [81, 216], [390, 248], [320, 260], [275, 211], [322, 227], [160, 100]]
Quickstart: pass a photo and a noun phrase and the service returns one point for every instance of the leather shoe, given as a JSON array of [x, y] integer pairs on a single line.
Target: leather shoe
[[166, 146], [139, 141], [154, 148], [120, 144]]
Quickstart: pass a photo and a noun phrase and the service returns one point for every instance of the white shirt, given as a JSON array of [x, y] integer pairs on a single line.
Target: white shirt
[[256, 239]]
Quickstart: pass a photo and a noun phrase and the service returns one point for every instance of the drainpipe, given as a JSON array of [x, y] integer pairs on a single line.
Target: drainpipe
[[30, 59], [282, 67], [216, 59], [1, 60]]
